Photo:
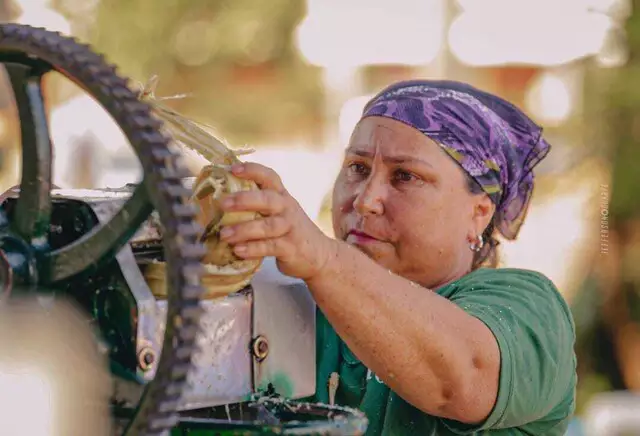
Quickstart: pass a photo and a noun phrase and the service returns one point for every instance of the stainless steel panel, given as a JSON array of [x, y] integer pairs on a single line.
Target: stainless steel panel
[[223, 373], [284, 314]]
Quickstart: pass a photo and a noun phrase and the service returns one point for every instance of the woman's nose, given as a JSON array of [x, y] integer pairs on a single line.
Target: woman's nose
[[369, 199]]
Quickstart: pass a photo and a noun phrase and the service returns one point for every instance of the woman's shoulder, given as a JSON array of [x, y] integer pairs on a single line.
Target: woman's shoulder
[[515, 288], [510, 274], [511, 281], [535, 332]]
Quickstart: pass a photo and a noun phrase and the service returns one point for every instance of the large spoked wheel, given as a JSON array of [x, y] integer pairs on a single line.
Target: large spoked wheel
[[28, 54]]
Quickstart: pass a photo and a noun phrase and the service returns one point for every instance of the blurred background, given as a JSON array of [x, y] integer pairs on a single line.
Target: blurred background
[[290, 77]]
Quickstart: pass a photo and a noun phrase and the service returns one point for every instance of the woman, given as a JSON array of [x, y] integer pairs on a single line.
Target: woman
[[416, 333]]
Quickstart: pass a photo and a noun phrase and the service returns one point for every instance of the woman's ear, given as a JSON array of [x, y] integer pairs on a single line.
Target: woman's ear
[[483, 210]]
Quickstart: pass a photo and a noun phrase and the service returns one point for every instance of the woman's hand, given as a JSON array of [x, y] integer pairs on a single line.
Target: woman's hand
[[285, 232]]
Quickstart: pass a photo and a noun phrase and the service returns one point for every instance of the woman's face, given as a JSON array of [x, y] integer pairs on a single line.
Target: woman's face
[[404, 202]]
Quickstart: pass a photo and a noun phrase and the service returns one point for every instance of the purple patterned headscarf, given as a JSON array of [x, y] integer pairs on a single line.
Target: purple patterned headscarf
[[491, 139]]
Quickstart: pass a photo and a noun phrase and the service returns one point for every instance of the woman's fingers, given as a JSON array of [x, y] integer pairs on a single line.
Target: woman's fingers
[[263, 248], [265, 202], [265, 177], [284, 231], [265, 228]]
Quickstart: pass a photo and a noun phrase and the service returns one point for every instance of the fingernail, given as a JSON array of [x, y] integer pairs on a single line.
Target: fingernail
[[227, 202], [237, 168], [226, 232], [240, 249]]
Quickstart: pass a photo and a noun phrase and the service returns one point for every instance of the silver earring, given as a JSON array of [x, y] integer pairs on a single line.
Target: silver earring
[[477, 244]]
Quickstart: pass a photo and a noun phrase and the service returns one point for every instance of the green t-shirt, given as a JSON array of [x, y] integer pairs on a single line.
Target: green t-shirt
[[535, 333]]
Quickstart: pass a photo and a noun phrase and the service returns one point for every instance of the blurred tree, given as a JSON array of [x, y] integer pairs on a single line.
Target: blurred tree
[[236, 57], [608, 311]]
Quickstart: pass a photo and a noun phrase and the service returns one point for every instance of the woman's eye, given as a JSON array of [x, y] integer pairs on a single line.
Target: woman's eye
[[358, 168], [403, 176]]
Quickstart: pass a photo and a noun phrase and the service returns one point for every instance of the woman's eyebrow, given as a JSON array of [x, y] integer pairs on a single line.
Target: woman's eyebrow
[[397, 159]]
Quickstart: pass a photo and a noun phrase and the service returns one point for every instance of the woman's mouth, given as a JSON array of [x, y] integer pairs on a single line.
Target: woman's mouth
[[360, 238]]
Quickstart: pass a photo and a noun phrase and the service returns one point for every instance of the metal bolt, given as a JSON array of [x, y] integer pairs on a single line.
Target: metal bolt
[[146, 358], [260, 348]]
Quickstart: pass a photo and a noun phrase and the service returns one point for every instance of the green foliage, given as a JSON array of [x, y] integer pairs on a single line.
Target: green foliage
[[623, 118], [237, 58], [613, 102]]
